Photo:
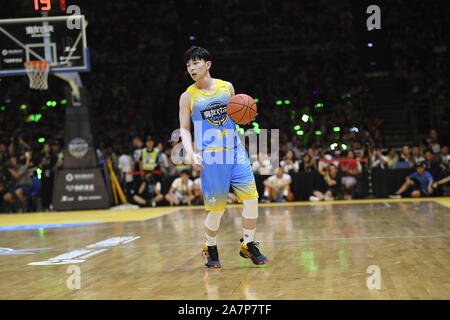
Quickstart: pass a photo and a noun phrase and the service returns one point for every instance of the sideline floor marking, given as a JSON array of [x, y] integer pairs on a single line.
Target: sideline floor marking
[[117, 215]]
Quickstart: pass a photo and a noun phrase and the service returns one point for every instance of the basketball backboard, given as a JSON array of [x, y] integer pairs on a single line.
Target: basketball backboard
[[59, 40]]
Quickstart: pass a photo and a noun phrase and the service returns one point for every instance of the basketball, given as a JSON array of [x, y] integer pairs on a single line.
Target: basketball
[[242, 109]]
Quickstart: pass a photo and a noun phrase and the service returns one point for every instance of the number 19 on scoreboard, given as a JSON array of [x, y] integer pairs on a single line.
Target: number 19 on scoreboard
[[46, 5]]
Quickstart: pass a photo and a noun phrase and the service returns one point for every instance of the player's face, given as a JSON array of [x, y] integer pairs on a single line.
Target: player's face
[[198, 68]]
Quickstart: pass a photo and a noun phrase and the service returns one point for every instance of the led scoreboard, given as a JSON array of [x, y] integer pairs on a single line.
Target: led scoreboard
[[50, 5]]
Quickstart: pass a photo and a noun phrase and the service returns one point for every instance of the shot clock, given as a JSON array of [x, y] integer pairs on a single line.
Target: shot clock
[[50, 5]]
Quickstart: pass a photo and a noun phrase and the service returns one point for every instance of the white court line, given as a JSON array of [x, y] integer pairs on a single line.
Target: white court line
[[266, 241], [289, 240]]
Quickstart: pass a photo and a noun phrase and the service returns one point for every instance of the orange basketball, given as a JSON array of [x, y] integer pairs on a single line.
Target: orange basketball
[[242, 109]]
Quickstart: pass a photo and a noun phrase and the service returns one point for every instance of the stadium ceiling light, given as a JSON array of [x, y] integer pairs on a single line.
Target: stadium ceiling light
[[305, 118]]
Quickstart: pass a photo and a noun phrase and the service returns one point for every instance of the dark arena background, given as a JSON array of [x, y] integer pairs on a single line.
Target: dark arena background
[[353, 105]]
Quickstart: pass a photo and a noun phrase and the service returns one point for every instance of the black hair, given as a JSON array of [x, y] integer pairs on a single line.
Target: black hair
[[196, 53], [185, 171]]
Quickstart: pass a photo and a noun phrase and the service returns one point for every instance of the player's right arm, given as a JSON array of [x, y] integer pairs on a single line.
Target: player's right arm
[[185, 130]]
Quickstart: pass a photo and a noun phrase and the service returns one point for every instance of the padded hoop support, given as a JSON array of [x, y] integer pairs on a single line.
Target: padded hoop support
[[74, 80]]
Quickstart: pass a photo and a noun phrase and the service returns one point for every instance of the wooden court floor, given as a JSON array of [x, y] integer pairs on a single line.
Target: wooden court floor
[[316, 251]]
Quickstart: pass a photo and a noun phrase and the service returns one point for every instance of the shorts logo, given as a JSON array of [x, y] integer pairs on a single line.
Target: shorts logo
[[212, 201], [215, 113]]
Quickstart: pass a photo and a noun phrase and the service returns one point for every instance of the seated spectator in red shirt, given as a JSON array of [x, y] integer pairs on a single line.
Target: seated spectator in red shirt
[[350, 170]]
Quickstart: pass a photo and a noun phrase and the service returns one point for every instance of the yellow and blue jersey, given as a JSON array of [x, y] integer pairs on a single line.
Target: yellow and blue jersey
[[225, 159], [213, 128]]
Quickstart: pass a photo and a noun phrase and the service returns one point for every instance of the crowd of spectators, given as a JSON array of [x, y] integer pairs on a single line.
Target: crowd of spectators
[[150, 176]]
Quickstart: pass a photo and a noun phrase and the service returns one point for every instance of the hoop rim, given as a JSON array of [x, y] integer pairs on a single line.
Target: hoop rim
[[40, 65]]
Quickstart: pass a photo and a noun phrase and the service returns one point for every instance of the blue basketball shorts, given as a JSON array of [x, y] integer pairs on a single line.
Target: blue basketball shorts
[[223, 169]]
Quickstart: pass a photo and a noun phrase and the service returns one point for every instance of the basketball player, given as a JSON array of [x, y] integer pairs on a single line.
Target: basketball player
[[204, 102]]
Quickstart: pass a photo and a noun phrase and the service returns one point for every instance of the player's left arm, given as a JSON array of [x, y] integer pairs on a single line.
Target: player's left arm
[[231, 88]]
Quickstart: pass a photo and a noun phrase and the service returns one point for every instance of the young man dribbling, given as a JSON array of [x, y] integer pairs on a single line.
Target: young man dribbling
[[204, 102]]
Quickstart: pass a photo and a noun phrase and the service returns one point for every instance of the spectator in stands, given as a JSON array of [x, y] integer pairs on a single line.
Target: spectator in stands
[[417, 155], [164, 160], [443, 182], [125, 166], [406, 159], [171, 170], [57, 150], [325, 162], [433, 142], [289, 163], [4, 156], [377, 159], [19, 190], [4, 182], [137, 147], [150, 156], [262, 166], [47, 165], [445, 156], [432, 164], [333, 181], [359, 150], [308, 164], [180, 191], [417, 184], [350, 169], [277, 187], [149, 192], [392, 158], [33, 163]]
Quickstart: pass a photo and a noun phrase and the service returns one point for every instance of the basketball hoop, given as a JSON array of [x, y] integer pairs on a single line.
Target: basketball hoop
[[37, 72]]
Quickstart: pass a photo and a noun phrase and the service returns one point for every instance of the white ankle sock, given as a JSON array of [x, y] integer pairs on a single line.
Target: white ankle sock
[[210, 241], [249, 235]]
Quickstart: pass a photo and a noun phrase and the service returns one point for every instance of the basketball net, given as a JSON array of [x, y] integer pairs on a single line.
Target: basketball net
[[37, 72]]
